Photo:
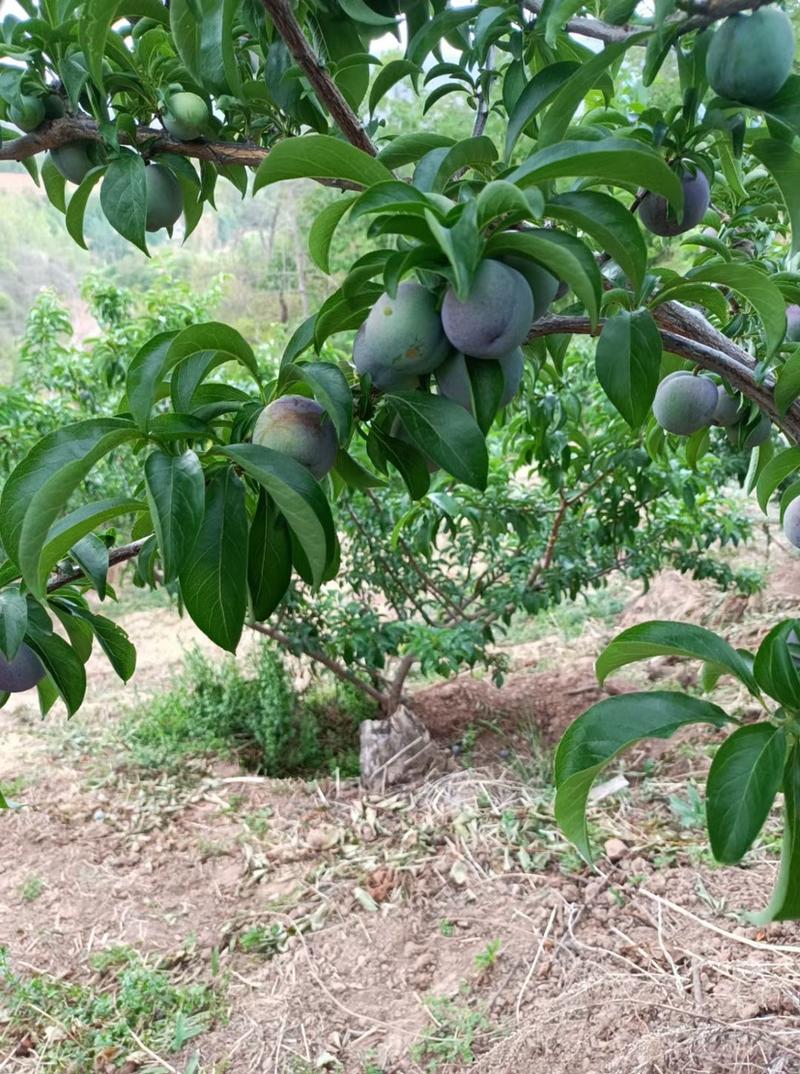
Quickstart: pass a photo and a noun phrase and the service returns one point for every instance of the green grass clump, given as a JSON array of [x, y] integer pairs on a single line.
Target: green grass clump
[[98, 1023], [248, 708]]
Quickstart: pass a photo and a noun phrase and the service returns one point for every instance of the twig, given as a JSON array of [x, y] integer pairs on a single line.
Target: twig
[[534, 963], [283, 18], [122, 554], [80, 128], [155, 1057]]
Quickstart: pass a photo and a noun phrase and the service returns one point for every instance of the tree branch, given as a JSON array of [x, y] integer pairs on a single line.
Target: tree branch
[[280, 11], [732, 363], [333, 666], [81, 128], [706, 14], [115, 556]]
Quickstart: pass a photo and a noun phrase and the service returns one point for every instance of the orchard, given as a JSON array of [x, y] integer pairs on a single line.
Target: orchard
[[487, 257]]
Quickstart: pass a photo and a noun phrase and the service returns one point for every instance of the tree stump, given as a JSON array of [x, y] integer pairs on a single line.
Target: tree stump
[[399, 750]]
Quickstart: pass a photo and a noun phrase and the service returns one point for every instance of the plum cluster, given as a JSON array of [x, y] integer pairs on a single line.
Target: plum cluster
[[406, 336], [685, 403]]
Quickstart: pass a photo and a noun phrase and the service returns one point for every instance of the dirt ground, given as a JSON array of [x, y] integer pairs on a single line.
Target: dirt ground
[[447, 927]]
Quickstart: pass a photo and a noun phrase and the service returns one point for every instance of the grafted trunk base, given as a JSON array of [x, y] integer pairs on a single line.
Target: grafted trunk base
[[399, 750]]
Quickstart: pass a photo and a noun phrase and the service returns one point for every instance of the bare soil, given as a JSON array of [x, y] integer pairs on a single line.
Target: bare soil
[[462, 889]]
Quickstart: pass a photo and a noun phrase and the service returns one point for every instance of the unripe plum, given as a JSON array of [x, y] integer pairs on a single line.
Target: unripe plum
[[750, 56], [298, 427], [21, 673], [401, 339], [793, 324], [791, 523], [543, 284], [496, 315], [164, 198], [657, 214], [727, 409], [73, 160], [28, 114], [685, 403], [186, 116]]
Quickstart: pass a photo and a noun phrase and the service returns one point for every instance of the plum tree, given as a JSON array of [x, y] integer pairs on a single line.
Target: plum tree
[[298, 426], [543, 284], [531, 181], [750, 56], [684, 403], [186, 116], [659, 218], [401, 338], [164, 198], [494, 317], [22, 672], [727, 410]]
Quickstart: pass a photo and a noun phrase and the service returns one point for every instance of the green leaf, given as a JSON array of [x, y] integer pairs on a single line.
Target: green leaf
[[203, 32], [783, 163], [322, 231], [91, 555], [76, 208], [501, 199], [214, 577], [331, 390], [389, 75], [60, 661], [604, 731], [144, 376], [542, 88], [55, 185], [297, 496], [774, 667], [744, 778], [13, 621], [361, 12], [703, 294], [407, 148], [461, 244], [96, 17], [67, 531], [469, 153], [176, 493], [609, 223], [756, 288], [785, 902], [113, 641], [565, 256], [354, 474], [775, 473], [40, 486], [568, 98], [319, 156], [628, 362], [269, 560], [620, 161], [433, 30], [408, 460], [446, 433], [787, 386], [665, 638], [392, 197], [123, 198]]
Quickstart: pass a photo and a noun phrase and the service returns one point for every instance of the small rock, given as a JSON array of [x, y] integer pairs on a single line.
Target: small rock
[[615, 849], [592, 891], [657, 883]]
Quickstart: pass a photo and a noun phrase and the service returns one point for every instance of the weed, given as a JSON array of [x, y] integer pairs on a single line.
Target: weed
[[258, 823], [32, 888], [95, 1025], [690, 811], [447, 928], [264, 940], [486, 959], [229, 708], [458, 1032]]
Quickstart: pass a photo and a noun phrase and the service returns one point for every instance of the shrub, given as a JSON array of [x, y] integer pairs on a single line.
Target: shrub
[[249, 708]]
